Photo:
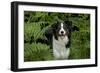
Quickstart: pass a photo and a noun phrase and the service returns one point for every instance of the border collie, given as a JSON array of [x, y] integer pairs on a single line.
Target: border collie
[[60, 33]]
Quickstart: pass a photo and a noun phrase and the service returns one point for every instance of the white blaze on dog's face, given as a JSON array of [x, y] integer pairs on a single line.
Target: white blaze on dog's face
[[62, 32]]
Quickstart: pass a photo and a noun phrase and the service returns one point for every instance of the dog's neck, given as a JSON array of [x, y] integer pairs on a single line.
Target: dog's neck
[[62, 40], [60, 43], [59, 47]]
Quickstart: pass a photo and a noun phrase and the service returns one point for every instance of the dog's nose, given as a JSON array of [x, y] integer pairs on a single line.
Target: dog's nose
[[62, 32]]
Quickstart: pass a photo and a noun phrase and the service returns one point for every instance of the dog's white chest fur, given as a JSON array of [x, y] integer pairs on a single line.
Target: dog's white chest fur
[[59, 49]]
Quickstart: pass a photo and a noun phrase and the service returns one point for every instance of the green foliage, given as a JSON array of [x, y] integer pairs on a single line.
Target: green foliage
[[37, 52], [37, 22], [32, 30]]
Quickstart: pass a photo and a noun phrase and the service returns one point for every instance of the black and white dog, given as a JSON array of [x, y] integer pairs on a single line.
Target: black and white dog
[[60, 33]]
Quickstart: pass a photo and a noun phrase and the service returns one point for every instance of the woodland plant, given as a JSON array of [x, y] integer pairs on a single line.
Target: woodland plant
[[35, 24]]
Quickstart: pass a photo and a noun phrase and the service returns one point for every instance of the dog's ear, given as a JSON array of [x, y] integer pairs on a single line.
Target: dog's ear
[[54, 25], [72, 27], [68, 24], [51, 29]]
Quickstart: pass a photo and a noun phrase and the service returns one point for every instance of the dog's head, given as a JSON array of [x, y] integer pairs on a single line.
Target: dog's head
[[61, 29]]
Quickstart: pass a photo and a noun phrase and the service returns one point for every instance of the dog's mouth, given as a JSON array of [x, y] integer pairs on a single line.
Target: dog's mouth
[[62, 34]]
